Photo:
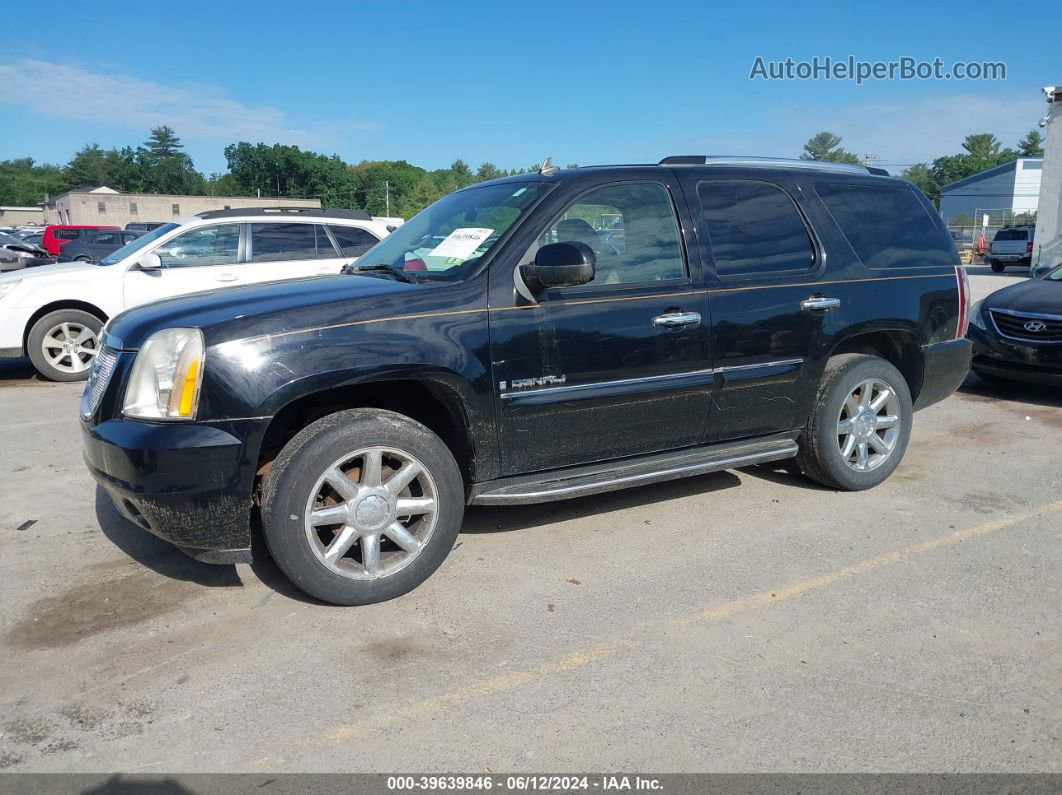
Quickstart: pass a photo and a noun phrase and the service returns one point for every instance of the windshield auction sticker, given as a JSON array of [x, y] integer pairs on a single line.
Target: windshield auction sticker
[[460, 243]]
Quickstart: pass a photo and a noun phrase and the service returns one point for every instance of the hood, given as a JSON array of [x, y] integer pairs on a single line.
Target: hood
[[259, 309], [1032, 295], [51, 271]]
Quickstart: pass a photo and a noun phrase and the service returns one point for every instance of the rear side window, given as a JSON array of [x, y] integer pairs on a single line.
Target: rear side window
[[106, 238], [66, 234], [887, 227], [1011, 234], [353, 240], [282, 242], [754, 228]]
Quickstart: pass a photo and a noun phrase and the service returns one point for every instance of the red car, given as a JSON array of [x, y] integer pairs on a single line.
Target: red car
[[58, 235]]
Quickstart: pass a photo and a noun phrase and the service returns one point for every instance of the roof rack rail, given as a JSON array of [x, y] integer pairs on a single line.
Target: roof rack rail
[[232, 212], [784, 162]]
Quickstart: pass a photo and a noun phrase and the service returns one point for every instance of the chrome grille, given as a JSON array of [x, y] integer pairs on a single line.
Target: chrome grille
[[99, 376], [1033, 328]]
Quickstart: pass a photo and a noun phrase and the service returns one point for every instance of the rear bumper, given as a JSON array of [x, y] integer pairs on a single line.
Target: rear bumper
[[187, 483], [946, 365]]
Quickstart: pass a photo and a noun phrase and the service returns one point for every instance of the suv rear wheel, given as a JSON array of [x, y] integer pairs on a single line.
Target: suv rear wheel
[[362, 506], [997, 266], [63, 344], [859, 425]]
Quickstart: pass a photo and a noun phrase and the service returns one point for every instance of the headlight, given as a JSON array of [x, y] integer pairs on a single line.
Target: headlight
[[975, 316], [7, 287], [166, 376]]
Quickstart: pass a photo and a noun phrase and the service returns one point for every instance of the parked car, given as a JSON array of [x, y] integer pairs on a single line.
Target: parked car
[[58, 235], [1017, 332], [759, 310], [16, 254], [54, 315], [32, 238], [96, 243], [143, 226], [1011, 246]]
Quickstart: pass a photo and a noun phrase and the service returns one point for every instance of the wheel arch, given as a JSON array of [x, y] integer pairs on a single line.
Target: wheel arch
[[433, 402], [898, 346], [55, 306]]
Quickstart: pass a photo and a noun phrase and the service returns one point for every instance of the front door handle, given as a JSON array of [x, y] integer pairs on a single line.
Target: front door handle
[[226, 277], [677, 319], [818, 303]]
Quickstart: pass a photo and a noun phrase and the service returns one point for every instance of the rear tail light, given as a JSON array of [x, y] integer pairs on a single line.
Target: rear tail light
[[1028, 247], [963, 282]]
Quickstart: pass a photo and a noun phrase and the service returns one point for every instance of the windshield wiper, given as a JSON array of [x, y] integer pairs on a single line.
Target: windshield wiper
[[381, 269]]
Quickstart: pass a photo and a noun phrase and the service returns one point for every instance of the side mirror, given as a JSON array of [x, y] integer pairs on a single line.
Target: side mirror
[[566, 264], [149, 262]]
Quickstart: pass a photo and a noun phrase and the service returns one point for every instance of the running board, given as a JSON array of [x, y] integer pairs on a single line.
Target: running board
[[580, 481]]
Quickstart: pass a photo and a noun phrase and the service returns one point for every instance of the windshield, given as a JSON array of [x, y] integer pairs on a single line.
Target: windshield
[[1055, 275], [8, 240], [135, 245], [445, 241]]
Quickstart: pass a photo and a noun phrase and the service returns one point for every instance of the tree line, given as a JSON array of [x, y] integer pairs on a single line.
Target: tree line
[[160, 165], [981, 151]]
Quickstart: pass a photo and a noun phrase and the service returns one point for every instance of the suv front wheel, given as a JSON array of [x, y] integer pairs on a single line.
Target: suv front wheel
[[859, 426], [362, 506]]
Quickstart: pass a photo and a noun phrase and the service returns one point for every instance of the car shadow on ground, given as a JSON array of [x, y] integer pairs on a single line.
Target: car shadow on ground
[[505, 519], [1011, 391], [156, 554], [17, 370]]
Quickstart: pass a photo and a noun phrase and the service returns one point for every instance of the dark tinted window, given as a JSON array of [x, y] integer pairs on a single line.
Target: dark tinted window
[[754, 228], [353, 241], [280, 242], [887, 227], [1011, 234], [106, 238], [66, 234]]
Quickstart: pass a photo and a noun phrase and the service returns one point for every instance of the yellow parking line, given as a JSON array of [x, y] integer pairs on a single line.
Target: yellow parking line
[[583, 657]]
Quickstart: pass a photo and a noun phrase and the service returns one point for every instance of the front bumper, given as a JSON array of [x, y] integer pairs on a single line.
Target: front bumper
[[187, 483], [1034, 363], [946, 365]]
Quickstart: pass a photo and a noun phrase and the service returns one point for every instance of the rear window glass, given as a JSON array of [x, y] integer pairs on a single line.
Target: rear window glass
[[1011, 234], [66, 234], [281, 242], [887, 227]]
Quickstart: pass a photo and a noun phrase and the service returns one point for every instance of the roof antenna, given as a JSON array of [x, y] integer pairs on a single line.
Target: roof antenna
[[547, 168]]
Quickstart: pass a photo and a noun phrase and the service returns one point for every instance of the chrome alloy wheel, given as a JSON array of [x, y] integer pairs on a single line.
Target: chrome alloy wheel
[[371, 513], [868, 426], [70, 347]]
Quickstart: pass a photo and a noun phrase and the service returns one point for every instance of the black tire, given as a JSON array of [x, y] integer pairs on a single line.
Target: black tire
[[48, 323], [292, 478], [81, 258], [997, 267], [820, 455]]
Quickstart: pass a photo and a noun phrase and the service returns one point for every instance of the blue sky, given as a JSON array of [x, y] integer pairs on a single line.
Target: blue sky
[[585, 82]]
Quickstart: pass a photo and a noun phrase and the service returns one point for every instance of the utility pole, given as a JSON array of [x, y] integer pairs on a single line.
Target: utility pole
[[387, 197], [869, 158]]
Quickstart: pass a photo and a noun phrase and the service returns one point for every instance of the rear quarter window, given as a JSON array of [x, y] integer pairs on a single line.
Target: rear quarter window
[[887, 227]]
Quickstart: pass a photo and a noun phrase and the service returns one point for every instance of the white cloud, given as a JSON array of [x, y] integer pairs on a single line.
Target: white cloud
[[897, 131], [204, 112]]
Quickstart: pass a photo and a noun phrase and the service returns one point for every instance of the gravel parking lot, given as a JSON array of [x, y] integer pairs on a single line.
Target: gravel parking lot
[[742, 621]]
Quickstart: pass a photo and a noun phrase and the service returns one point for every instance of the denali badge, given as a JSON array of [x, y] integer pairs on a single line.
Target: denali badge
[[524, 383], [1036, 325]]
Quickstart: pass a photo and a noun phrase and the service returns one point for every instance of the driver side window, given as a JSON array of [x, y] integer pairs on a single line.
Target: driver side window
[[207, 245], [631, 229]]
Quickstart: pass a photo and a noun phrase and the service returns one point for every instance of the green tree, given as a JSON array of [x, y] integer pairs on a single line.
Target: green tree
[[24, 183], [962, 219], [163, 142], [827, 147], [920, 175], [1032, 145]]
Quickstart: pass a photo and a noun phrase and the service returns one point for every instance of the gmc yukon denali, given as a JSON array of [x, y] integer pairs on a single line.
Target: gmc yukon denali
[[533, 338]]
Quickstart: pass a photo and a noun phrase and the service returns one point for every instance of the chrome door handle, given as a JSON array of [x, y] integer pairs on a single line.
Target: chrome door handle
[[226, 277], [677, 319], [819, 304]]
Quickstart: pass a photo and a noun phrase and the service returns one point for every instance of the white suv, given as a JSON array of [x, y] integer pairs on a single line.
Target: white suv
[[54, 313]]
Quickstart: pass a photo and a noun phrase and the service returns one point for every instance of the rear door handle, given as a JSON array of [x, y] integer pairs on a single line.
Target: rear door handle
[[819, 304], [226, 277], [677, 319]]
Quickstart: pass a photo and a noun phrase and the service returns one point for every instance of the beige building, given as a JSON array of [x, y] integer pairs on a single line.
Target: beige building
[[21, 216], [108, 207]]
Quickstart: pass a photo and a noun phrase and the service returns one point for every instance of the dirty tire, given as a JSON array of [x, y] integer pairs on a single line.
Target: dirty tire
[[997, 267], [35, 341], [820, 455], [292, 478]]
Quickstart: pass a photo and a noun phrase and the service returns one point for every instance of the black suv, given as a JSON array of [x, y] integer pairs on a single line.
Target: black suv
[[533, 338]]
